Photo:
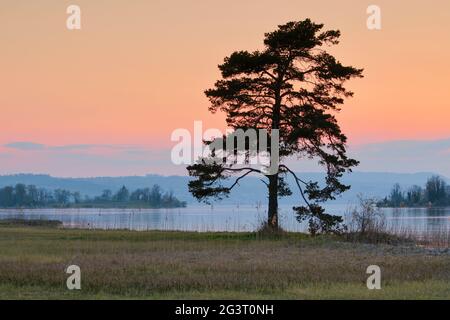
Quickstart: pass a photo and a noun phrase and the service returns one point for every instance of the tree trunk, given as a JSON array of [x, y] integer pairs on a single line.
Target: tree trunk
[[272, 221], [273, 179]]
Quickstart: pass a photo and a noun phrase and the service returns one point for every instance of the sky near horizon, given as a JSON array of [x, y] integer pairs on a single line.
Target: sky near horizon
[[105, 99]]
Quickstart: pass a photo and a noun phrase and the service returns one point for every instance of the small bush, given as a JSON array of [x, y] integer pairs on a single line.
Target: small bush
[[367, 223], [267, 231], [367, 217]]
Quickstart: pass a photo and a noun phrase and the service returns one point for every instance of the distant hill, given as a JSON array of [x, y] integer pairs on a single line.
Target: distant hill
[[250, 191]]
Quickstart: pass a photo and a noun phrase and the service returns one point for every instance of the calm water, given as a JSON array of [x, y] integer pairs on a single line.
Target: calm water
[[217, 218]]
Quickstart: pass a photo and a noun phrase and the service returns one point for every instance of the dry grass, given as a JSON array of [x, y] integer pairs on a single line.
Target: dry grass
[[127, 264]]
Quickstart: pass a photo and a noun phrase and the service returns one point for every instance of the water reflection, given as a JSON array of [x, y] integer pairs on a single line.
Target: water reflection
[[219, 218], [428, 220]]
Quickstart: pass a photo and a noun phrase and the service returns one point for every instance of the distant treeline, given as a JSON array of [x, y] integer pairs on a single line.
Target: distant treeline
[[436, 193], [30, 196]]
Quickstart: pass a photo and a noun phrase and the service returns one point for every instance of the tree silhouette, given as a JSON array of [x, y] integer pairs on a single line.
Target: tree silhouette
[[292, 85]]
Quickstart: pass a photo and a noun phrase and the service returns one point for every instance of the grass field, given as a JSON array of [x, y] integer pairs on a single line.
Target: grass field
[[181, 265]]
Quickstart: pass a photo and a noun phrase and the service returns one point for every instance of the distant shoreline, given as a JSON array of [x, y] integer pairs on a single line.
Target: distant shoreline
[[418, 207], [92, 207]]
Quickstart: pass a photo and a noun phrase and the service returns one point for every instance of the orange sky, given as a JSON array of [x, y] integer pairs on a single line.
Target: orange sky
[[137, 69]]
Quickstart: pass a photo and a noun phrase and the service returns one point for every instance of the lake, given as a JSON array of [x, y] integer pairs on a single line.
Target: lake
[[219, 218]]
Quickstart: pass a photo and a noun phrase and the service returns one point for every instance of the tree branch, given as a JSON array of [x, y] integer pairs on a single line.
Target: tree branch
[[297, 180]]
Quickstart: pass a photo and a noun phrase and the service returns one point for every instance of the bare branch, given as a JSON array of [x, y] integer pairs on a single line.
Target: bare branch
[[297, 180]]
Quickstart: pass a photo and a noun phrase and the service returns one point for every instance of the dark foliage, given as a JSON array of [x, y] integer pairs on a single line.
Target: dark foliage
[[292, 85], [435, 193], [22, 196]]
